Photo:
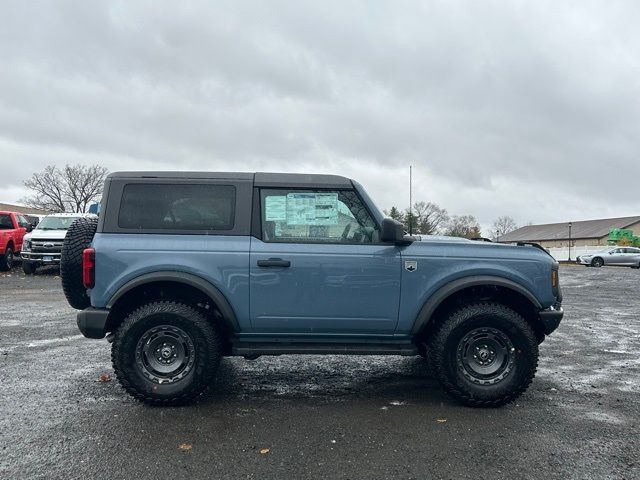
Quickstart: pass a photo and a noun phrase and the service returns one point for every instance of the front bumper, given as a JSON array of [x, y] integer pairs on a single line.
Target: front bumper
[[42, 258], [551, 318], [583, 261], [92, 322]]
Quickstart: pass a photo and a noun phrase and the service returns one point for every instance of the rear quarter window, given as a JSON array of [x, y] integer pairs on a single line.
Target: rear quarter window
[[147, 206]]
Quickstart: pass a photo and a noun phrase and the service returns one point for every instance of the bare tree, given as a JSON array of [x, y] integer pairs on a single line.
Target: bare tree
[[502, 226], [71, 189], [463, 226], [429, 218]]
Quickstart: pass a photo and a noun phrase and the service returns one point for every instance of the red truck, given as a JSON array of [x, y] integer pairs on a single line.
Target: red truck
[[13, 226]]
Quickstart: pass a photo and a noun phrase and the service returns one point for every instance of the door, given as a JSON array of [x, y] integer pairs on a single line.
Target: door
[[615, 257], [24, 225], [631, 256], [319, 266]]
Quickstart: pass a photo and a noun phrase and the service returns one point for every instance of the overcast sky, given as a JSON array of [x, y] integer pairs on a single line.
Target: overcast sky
[[527, 109]]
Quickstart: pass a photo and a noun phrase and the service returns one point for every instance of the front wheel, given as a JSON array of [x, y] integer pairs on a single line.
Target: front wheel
[[484, 354], [166, 353], [6, 260], [597, 262], [28, 268]]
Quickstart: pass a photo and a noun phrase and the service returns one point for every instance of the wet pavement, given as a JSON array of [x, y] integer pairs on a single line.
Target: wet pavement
[[322, 417]]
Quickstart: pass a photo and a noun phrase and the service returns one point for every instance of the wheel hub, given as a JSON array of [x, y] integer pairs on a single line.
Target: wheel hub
[[485, 356], [165, 354]]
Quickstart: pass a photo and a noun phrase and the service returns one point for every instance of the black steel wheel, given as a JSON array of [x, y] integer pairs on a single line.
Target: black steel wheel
[[6, 260], [597, 262], [483, 354], [166, 353]]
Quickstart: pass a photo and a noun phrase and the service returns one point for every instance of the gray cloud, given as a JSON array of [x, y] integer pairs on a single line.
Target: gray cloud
[[529, 109]]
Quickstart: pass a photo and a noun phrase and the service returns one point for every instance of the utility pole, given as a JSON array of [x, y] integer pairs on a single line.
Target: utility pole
[[410, 201], [570, 225]]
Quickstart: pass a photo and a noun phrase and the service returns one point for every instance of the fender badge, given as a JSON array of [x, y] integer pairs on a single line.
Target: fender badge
[[410, 265]]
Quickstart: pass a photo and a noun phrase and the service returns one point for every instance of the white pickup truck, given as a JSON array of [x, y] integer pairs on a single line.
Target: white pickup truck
[[43, 245]]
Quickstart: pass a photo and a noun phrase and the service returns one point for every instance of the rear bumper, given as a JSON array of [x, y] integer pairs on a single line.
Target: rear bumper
[[551, 318], [92, 322]]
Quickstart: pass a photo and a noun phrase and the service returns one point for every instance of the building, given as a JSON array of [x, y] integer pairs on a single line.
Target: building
[[584, 233], [20, 209]]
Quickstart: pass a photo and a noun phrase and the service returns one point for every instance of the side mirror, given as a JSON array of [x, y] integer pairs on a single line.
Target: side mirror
[[29, 227], [393, 232]]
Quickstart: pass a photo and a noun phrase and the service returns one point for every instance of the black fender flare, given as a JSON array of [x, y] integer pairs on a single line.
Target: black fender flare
[[199, 283], [447, 290]]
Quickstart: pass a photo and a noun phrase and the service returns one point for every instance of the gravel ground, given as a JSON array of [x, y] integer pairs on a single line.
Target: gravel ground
[[322, 417]]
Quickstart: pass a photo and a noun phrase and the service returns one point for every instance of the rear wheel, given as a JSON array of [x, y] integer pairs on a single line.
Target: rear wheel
[[597, 262], [166, 353], [484, 354], [6, 260], [28, 268]]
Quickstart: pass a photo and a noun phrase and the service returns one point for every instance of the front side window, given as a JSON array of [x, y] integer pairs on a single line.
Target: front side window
[[148, 206], [23, 222], [316, 216]]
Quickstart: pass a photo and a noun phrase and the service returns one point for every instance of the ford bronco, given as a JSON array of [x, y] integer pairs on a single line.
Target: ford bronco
[[184, 268]]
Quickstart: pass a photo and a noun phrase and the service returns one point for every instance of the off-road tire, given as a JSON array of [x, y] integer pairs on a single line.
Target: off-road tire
[[597, 262], [78, 237], [28, 267], [6, 260], [444, 358], [127, 364]]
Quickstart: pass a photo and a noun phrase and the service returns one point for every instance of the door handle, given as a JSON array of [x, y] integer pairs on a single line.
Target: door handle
[[274, 262]]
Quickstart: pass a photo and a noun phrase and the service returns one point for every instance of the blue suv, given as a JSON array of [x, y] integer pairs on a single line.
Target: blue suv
[[184, 268]]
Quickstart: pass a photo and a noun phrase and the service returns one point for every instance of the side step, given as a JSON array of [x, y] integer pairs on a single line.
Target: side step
[[255, 349]]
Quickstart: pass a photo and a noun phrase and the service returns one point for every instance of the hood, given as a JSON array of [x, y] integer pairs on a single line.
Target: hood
[[46, 235], [455, 247]]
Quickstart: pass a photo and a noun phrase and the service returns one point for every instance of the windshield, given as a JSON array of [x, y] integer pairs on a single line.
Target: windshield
[[56, 223]]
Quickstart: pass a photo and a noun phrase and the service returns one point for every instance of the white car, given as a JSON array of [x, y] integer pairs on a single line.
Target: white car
[[43, 245], [617, 256]]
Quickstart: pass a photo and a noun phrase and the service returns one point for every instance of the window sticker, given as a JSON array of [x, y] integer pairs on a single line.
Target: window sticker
[[312, 209], [326, 209], [276, 208]]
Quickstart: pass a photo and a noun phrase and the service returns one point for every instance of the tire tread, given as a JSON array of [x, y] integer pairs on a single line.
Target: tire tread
[[78, 237]]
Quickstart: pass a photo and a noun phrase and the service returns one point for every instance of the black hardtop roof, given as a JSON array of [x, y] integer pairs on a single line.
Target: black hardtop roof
[[260, 179]]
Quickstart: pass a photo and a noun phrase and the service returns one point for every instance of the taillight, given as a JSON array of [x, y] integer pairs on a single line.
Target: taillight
[[89, 267]]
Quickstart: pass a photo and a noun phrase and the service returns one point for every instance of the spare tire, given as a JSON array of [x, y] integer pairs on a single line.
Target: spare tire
[[78, 237]]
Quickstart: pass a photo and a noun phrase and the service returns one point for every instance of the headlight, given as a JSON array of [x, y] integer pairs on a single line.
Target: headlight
[[26, 245]]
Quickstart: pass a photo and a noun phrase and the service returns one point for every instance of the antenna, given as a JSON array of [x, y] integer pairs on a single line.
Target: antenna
[[410, 200]]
